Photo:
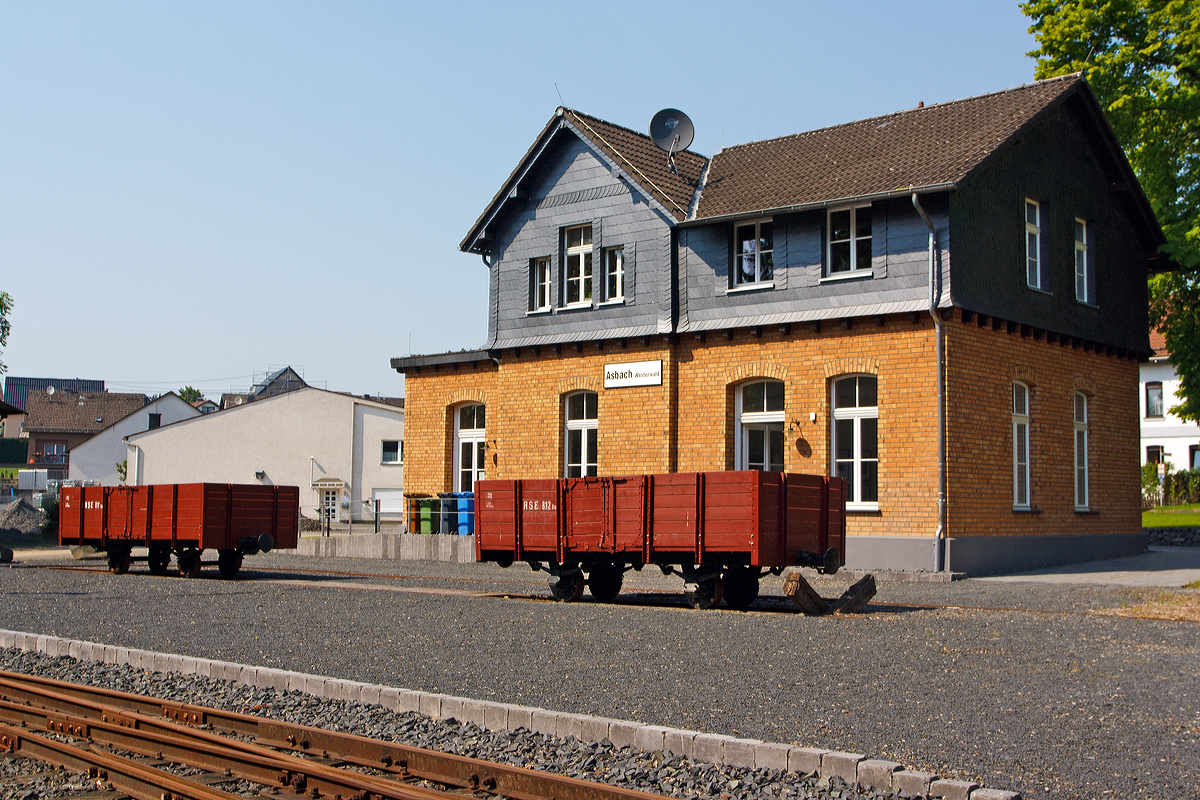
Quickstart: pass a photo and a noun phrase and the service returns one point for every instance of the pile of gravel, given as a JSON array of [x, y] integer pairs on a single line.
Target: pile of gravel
[[603, 762], [20, 517]]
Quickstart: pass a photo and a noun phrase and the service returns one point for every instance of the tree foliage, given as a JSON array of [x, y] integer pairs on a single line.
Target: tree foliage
[[1142, 61], [189, 395], [5, 327]]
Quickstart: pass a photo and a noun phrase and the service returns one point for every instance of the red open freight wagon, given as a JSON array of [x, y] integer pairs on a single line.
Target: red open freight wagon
[[718, 530], [183, 518]]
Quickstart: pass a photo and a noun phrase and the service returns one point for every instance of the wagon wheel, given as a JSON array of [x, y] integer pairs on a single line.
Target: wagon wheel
[[741, 587], [158, 560], [567, 588], [605, 582], [228, 563], [189, 563], [118, 561], [707, 593]]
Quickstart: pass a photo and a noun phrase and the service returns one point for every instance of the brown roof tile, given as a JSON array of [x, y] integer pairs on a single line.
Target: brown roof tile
[[71, 412], [928, 146], [1158, 343]]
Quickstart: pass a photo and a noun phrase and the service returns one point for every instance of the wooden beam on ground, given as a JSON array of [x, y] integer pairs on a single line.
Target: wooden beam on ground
[[803, 595], [855, 598]]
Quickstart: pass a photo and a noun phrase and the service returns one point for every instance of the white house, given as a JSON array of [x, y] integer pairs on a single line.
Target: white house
[[1164, 435], [342, 451], [96, 459]]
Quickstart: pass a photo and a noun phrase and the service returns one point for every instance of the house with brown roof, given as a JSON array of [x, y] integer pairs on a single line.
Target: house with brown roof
[[58, 420], [945, 306]]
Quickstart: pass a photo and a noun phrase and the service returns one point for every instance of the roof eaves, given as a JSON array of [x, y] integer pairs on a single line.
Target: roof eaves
[[908, 191]]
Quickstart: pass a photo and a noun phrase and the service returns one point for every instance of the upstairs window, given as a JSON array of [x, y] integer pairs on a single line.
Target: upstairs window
[[1154, 400], [393, 452], [856, 439], [849, 240], [1083, 277], [539, 284], [153, 421], [579, 265], [753, 253], [614, 274], [582, 425], [1033, 245], [1020, 431]]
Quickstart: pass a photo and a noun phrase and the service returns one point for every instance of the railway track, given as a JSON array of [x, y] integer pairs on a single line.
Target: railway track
[[134, 745]]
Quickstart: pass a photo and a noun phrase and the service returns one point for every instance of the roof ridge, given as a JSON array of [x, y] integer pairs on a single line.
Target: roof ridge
[[904, 111], [579, 113]]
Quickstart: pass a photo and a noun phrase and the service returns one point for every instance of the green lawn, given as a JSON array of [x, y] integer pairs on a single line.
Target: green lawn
[[1172, 517]]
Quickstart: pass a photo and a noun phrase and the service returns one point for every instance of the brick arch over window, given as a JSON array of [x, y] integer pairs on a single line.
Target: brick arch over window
[[460, 396], [568, 385], [851, 366], [755, 369], [1024, 374], [1081, 383]]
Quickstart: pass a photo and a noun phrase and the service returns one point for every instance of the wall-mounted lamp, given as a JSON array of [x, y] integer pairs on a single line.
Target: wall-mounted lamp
[[812, 416]]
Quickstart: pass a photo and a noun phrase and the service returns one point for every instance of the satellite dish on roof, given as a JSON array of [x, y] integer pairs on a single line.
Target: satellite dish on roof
[[671, 130], [50, 390]]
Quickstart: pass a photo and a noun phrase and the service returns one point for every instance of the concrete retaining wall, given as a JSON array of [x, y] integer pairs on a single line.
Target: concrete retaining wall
[[391, 547]]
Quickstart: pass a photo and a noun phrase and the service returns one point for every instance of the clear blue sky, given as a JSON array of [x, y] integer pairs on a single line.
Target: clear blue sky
[[190, 192]]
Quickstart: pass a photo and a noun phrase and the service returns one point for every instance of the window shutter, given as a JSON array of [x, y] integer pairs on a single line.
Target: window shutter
[[1044, 247], [557, 279], [599, 265], [1090, 242], [630, 272]]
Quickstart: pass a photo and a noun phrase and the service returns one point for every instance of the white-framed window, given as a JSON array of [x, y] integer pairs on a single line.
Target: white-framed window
[[754, 253], [614, 274], [1082, 269], [392, 452], [539, 284], [1020, 437], [579, 265], [582, 426], [1033, 244], [760, 442], [470, 445], [855, 449], [1154, 399], [849, 240], [1080, 417]]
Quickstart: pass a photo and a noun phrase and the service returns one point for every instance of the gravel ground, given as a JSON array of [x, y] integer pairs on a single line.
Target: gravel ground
[[1016, 685], [625, 766]]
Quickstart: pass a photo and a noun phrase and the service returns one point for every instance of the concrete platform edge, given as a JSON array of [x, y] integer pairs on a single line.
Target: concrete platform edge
[[719, 749]]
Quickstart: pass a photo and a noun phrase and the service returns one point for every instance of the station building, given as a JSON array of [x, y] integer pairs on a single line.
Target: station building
[[782, 304]]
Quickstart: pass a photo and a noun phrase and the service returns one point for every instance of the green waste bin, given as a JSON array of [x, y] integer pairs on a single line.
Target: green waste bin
[[429, 516]]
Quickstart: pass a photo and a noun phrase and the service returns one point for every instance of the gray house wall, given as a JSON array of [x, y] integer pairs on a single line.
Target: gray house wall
[[899, 267], [574, 185], [1055, 163]]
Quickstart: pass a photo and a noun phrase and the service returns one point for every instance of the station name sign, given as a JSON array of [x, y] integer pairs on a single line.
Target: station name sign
[[637, 373]]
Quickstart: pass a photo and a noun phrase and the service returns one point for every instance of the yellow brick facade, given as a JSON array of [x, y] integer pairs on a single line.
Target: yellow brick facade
[[687, 424]]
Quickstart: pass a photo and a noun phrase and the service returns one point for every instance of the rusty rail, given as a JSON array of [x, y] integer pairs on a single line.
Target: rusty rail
[[282, 757]]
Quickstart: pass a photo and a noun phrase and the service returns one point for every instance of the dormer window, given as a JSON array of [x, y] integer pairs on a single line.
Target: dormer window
[[849, 240], [579, 265], [753, 254]]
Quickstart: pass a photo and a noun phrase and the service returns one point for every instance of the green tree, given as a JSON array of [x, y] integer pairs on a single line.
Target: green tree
[[189, 395], [5, 307], [1142, 61]]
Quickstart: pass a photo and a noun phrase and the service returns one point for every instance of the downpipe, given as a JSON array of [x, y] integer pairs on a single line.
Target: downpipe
[[935, 295]]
